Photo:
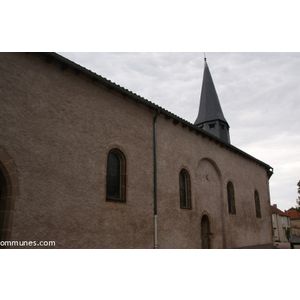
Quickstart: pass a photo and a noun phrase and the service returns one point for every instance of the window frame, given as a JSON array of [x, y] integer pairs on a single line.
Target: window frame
[[122, 176], [257, 204], [231, 198], [187, 203]]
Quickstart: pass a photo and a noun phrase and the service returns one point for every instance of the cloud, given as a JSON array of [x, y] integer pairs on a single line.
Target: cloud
[[259, 95]]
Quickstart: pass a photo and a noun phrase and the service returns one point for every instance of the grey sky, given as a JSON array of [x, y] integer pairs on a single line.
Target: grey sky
[[259, 94]]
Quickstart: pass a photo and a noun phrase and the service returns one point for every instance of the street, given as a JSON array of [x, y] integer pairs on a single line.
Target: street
[[288, 245]]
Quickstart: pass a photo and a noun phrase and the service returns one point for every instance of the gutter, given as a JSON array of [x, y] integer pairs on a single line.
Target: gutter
[[155, 178]]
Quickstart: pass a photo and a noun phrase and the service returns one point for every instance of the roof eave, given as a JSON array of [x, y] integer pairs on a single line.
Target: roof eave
[[66, 63]]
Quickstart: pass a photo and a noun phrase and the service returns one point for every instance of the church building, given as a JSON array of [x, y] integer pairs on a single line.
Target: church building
[[85, 163]]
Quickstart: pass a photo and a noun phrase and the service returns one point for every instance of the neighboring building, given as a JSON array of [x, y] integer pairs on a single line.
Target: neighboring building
[[89, 164], [295, 221], [281, 222], [293, 213]]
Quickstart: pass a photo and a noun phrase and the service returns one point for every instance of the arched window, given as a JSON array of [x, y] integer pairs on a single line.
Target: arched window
[[257, 204], [116, 176], [231, 200], [185, 189]]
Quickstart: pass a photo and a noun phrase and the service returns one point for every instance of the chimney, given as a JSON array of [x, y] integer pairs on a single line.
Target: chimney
[[275, 205]]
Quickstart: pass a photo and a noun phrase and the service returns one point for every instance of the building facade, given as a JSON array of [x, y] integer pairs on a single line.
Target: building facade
[[295, 221], [281, 223], [89, 164]]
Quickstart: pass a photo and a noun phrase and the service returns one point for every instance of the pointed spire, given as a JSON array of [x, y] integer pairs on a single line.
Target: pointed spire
[[210, 116]]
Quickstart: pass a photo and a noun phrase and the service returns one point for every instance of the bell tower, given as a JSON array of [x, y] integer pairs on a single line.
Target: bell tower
[[210, 117]]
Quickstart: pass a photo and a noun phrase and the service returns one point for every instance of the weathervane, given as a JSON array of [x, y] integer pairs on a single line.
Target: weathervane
[[204, 56]]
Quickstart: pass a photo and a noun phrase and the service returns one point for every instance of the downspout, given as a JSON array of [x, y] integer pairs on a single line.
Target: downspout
[[155, 179], [270, 172]]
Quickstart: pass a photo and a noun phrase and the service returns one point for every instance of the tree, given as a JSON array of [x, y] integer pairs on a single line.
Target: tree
[[298, 200]]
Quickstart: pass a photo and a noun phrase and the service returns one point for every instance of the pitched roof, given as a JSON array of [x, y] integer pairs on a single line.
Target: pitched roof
[[293, 213], [210, 107], [276, 211], [65, 64], [292, 209]]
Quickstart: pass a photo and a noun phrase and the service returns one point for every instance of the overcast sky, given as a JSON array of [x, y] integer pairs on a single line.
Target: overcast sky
[[259, 95]]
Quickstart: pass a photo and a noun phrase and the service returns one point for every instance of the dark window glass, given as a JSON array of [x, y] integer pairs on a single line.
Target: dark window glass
[[182, 182], [231, 200], [257, 204], [113, 176], [185, 189], [116, 176]]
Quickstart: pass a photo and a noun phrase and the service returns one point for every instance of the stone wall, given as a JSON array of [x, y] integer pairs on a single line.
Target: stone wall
[[211, 167], [58, 127]]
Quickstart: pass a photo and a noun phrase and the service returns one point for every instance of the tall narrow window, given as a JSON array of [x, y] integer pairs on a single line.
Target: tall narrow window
[[231, 200], [257, 204], [116, 176], [185, 189]]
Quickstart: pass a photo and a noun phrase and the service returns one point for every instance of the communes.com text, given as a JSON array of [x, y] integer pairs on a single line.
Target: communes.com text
[[27, 243]]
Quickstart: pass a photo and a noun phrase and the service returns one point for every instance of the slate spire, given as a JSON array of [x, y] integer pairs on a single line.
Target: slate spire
[[210, 117]]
